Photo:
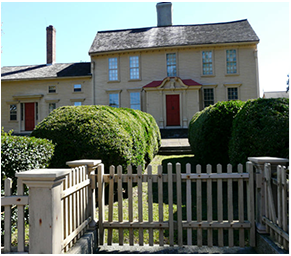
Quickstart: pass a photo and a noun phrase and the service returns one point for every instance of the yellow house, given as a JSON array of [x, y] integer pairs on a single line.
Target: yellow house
[[169, 71], [172, 71]]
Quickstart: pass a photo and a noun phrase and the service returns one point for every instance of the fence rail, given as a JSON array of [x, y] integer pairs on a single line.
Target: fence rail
[[277, 205], [9, 201], [224, 185]]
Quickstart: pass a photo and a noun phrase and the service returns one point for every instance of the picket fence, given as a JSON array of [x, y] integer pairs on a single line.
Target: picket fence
[[277, 204], [75, 200], [210, 224]]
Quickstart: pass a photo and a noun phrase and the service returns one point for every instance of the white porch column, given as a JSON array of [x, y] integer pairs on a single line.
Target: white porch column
[[92, 166], [45, 209], [259, 163]]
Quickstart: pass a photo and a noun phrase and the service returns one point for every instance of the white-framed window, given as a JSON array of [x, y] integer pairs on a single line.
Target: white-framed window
[[113, 69], [171, 65], [232, 93], [208, 94], [13, 112], [134, 67], [77, 87], [77, 103], [135, 100], [52, 106], [114, 100], [231, 61], [207, 62], [52, 89]]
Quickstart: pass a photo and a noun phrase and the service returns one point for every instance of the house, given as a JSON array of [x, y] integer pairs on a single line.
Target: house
[[169, 71], [276, 94], [172, 71]]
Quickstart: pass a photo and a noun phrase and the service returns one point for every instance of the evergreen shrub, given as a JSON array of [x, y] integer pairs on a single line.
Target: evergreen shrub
[[117, 136], [261, 128], [210, 132]]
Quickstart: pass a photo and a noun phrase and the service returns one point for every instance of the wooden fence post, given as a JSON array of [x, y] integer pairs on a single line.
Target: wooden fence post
[[251, 203], [7, 224], [101, 202]]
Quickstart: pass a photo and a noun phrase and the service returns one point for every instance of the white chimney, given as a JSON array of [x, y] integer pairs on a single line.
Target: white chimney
[[164, 12]]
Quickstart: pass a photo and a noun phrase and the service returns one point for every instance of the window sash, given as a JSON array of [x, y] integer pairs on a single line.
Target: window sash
[[171, 64], [13, 112], [77, 103], [207, 62], [77, 87], [135, 100], [134, 67], [52, 89], [114, 100], [231, 61], [208, 97], [113, 69], [52, 106], [232, 93]]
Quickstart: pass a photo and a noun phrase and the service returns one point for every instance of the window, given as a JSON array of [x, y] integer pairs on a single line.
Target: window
[[171, 64], [231, 62], [114, 100], [77, 87], [207, 62], [13, 112], [135, 100], [113, 69], [208, 97], [77, 103], [52, 89], [52, 106], [232, 93], [134, 67]]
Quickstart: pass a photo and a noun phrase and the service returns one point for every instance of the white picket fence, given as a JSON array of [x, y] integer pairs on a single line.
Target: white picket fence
[[210, 224], [277, 205]]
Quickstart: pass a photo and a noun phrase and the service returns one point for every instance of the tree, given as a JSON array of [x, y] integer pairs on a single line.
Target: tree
[[289, 83]]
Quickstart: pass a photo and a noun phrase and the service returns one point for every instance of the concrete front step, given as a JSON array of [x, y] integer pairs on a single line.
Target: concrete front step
[[175, 146]]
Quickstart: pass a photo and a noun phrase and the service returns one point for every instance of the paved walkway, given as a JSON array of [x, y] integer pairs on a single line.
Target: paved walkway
[[126, 249], [175, 143]]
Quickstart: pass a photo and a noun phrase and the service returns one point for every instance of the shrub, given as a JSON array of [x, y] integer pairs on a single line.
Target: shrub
[[210, 132], [117, 136], [261, 128]]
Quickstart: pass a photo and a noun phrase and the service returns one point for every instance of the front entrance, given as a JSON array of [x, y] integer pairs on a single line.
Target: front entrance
[[173, 110], [29, 116]]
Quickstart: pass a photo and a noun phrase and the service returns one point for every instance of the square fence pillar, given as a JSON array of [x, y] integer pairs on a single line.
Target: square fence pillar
[[259, 163], [45, 209]]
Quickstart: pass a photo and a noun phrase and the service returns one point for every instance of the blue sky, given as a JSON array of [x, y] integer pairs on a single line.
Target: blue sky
[[23, 37]]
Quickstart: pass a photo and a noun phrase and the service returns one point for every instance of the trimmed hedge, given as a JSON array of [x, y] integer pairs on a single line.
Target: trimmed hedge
[[117, 136], [210, 132], [261, 128], [20, 153]]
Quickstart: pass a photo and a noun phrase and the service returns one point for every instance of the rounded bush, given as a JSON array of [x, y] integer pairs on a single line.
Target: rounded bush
[[117, 136], [261, 128], [210, 132]]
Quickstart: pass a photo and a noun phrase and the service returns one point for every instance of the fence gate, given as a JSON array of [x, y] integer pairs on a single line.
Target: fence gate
[[213, 209]]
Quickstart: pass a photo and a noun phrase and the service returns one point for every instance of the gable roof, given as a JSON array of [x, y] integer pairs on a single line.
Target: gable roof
[[46, 71], [187, 82], [178, 35]]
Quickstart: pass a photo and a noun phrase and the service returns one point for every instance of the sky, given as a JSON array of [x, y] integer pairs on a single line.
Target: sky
[[23, 30]]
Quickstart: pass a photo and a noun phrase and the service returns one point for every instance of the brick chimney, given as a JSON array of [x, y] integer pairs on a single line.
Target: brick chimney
[[164, 12], [50, 45]]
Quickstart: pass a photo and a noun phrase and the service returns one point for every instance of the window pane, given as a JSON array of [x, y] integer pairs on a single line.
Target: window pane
[[134, 67], [77, 88], [77, 103], [171, 64], [114, 100], [113, 69], [231, 61], [52, 106], [207, 62], [52, 89], [232, 94], [208, 97], [13, 112], [135, 100]]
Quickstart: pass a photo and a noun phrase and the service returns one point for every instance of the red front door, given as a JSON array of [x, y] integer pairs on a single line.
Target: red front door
[[173, 110], [29, 116]]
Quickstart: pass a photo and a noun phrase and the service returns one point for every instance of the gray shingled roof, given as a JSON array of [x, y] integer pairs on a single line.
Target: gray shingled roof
[[46, 71], [179, 35]]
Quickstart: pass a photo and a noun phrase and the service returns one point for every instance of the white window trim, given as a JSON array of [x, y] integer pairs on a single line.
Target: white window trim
[[213, 66], [52, 93], [232, 85], [209, 86], [177, 61], [114, 91], [237, 62], [80, 92], [139, 67], [118, 70]]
